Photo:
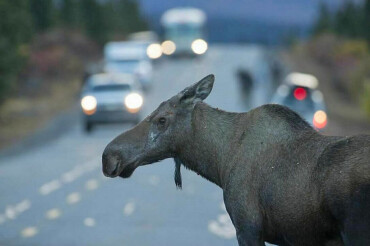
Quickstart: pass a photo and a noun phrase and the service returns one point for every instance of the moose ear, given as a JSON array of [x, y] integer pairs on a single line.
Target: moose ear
[[199, 91]]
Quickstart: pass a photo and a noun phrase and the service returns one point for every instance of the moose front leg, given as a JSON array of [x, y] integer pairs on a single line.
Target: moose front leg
[[249, 235], [247, 222]]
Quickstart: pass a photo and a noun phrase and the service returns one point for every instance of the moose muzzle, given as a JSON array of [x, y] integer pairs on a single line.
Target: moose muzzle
[[112, 162], [122, 156]]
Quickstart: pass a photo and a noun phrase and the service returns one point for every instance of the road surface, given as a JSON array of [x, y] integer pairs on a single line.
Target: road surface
[[55, 194]]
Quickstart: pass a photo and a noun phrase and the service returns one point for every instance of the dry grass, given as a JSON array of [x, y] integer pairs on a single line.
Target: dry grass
[[21, 116], [49, 83]]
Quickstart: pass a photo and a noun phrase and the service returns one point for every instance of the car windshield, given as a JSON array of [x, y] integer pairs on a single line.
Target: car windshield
[[126, 66], [111, 87]]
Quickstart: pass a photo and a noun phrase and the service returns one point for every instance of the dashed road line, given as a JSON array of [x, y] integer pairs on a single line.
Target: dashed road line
[[68, 177], [89, 222], [13, 211], [73, 198], [91, 184], [129, 208], [49, 187], [29, 231], [53, 214]]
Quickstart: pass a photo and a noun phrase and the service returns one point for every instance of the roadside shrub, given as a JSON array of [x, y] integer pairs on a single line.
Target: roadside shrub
[[352, 48], [56, 57], [322, 48], [360, 86]]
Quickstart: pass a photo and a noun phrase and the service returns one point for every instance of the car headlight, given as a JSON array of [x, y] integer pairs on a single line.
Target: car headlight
[[133, 102], [168, 47], [88, 104], [199, 46], [154, 51]]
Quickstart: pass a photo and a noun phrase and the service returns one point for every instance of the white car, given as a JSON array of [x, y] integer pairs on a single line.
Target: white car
[[129, 57], [110, 98]]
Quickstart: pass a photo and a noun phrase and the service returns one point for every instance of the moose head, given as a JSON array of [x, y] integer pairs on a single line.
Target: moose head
[[159, 136]]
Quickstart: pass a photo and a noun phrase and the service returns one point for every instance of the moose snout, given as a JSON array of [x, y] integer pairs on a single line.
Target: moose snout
[[111, 163]]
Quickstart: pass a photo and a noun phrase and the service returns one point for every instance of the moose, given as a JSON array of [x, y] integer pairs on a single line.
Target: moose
[[283, 182]]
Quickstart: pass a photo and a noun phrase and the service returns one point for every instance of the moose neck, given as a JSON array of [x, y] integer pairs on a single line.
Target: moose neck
[[218, 138], [208, 147]]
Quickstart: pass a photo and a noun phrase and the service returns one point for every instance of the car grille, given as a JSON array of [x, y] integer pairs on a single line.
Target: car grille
[[111, 107]]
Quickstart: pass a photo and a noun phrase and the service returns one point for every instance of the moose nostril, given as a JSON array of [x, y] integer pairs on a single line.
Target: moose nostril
[[110, 164], [105, 162]]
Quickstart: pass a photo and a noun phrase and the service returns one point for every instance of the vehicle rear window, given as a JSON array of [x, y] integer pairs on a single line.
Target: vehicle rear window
[[111, 87], [301, 106]]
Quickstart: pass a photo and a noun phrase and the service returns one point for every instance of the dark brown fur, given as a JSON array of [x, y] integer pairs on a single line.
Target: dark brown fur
[[283, 182]]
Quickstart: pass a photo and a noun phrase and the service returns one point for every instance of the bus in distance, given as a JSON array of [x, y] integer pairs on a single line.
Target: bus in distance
[[184, 31]]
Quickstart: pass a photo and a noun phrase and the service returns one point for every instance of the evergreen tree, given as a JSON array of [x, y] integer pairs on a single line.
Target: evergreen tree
[[324, 22], [15, 32], [349, 20], [366, 26], [43, 14], [69, 13], [94, 22], [130, 16], [122, 17]]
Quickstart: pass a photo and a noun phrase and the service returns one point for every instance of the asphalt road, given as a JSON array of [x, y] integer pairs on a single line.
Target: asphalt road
[[56, 194]]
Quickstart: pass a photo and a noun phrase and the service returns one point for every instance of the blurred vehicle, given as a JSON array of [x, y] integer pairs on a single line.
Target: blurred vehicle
[[109, 98], [299, 92], [129, 57], [184, 31], [154, 49]]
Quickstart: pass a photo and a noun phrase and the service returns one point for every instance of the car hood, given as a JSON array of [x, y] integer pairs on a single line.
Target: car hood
[[109, 97]]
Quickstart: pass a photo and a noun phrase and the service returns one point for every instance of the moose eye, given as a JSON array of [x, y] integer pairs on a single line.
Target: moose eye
[[162, 121]]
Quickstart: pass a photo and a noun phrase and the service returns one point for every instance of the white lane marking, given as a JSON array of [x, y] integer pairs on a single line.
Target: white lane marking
[[154, 180], [53, 214], [29, 231], [71, 176], [89, 222], [129, 209], [12, 211], [91, 184], [222, 227], [49, 187], [68, 177], [22, 206], [73, 198]]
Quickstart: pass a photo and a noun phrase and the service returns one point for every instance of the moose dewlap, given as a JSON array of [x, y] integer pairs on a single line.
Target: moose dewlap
[[283, 182]]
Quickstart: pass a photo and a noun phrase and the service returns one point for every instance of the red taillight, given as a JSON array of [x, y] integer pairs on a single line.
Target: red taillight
[[300, 93]]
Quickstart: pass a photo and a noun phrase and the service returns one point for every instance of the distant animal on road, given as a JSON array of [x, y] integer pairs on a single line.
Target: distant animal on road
[[283, 182], [245, 79]]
